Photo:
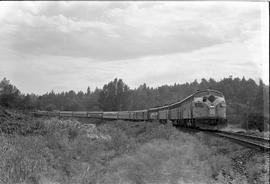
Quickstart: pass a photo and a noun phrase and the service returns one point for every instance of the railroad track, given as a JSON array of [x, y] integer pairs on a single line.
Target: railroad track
[[260, 143]]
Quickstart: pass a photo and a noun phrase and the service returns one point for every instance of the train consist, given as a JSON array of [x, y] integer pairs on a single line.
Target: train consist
[[204, 109]]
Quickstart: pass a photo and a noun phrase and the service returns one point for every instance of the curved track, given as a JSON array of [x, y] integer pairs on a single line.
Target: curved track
[[247, 140]]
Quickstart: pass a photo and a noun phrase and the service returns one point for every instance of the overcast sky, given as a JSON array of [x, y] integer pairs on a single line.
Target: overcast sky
[[61, 46]]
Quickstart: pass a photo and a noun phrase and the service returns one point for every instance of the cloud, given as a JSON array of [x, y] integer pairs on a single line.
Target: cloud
[[72, 45], [108, 31]]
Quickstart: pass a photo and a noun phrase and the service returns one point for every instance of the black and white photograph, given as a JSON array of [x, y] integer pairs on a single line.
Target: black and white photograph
[[134, 92]]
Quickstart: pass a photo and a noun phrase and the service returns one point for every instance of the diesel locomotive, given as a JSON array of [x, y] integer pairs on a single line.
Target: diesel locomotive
[[204, 109]]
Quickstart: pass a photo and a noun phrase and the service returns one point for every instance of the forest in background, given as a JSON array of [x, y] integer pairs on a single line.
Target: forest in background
[[247, 101]]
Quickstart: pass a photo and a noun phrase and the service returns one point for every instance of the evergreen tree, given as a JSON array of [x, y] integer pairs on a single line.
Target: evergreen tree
[[258, 102], [114, 96], [9, 94]]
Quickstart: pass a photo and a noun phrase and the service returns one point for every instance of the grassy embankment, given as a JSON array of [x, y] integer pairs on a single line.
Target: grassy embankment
[[66, 151]]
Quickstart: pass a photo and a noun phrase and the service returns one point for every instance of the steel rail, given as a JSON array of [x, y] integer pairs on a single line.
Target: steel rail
[[252, 141], [247, 136]]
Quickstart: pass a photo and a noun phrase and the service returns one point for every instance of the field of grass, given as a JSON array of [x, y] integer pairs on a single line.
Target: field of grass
[[118, 152]]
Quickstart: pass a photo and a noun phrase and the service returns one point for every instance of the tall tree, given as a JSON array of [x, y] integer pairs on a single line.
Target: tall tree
[[9, 94], [88, 91], [114, 96], [258, 102]]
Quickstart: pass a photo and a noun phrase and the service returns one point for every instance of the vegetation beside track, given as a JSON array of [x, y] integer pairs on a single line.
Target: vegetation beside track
[[67, 151]]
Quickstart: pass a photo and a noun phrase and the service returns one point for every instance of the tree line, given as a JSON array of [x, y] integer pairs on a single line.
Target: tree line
[[243, 97]]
